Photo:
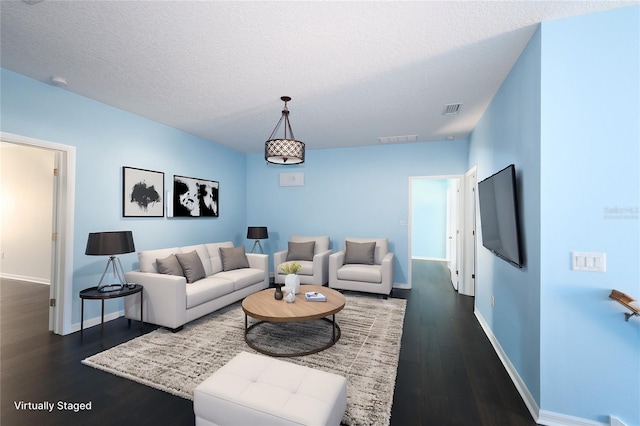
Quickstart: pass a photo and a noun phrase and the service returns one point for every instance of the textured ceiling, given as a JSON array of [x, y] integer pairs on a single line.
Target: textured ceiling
[[355, 71]]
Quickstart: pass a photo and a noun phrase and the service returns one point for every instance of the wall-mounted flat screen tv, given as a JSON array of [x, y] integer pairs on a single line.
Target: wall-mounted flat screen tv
[[499, 219]]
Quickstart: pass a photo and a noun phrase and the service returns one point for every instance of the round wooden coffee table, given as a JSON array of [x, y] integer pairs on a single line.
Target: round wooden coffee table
[[265, 308]]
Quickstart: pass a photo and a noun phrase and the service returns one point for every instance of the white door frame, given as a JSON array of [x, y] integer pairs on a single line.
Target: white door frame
[[411, 179], [454, 253], [469, 197], [63, 221]]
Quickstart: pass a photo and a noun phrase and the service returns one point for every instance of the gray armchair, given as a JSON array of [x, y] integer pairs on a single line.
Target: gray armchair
[[313, 255], [365, 264]]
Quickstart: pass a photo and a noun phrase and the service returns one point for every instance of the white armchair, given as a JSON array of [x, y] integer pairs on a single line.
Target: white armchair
[[313, 255], [365, 264]]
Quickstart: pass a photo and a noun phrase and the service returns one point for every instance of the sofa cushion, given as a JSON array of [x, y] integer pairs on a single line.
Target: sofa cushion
[[359, 252], [206, 290], [307, 267], [301, 251], [233, 258], [382, 247], [170, 266], [322, 242], [201, 249], [358, 272], [242, 277], [191, 265], [213, 250], [147, 259]]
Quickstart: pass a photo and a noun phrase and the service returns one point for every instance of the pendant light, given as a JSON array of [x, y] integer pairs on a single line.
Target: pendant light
[[286, 150]]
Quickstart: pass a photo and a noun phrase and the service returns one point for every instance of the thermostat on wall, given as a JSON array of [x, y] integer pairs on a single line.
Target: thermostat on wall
[[291, 179]]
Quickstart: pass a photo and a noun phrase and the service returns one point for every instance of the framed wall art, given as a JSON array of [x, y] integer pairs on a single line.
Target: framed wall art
[[142, 193], [194, 197]]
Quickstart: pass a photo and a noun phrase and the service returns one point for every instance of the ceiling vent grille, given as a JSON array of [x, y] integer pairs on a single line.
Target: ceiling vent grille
[[451, 109], [398, 139]]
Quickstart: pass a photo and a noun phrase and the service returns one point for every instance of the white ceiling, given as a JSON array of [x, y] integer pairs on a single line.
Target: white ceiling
[[355, 71]]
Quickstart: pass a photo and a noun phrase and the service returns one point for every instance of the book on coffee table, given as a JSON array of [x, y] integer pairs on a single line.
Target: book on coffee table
[[314, 296]]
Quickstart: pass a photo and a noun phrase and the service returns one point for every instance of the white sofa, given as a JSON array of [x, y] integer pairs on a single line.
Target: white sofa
[[369, 271], [315, 263], [171, 301]]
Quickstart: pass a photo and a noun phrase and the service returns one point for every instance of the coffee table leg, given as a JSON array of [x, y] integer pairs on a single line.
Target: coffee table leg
[[245, 323], [334, 327]]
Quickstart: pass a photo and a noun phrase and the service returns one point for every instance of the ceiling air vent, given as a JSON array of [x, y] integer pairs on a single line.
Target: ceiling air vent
[[450, 109], [398, 139]]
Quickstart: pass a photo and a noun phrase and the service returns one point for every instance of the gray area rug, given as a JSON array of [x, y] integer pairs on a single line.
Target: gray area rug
[[366, 354]]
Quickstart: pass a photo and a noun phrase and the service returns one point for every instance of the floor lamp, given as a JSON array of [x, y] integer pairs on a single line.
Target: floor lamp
[[110, 244]]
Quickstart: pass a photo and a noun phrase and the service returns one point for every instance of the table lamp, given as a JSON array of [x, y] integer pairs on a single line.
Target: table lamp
[[257, 233], [110, 244]]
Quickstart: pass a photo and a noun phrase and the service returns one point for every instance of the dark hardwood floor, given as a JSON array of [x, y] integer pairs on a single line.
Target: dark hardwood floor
[[448, 373]]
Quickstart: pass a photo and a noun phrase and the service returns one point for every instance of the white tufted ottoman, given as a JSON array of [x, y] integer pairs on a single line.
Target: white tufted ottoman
[[259, 390]]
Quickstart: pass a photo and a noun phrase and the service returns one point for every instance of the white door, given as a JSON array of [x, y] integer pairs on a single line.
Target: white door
[[467, 283], [453, 230]]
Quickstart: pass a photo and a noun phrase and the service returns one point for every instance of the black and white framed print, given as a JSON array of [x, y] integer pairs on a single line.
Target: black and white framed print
[[142, 193], [195, 197]]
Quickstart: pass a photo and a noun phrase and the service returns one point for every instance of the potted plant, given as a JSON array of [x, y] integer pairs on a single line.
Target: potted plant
[[292, 280]]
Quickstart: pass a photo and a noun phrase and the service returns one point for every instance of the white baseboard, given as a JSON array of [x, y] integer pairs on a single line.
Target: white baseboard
[[90, 322], [549, 418], [404, 286], [36, 280], [528, 399], [542, 417]]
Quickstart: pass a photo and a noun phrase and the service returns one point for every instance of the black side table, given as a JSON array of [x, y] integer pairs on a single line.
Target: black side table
[[93, 294]]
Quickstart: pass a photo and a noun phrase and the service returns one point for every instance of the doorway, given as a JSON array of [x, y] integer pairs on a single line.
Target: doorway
[[60, 207], [452, 225], [433, 222]]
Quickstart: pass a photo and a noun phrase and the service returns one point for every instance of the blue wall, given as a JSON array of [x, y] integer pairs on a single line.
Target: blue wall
[[509, 132], [429, 218], [106, 139], [348, 192], [590, 140], [568, 117]]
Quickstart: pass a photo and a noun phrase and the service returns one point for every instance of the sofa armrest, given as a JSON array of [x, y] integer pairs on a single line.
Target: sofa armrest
[[278, 258], [336, 260], [321, 265], [165, 298], [387, 271], [260, 261]]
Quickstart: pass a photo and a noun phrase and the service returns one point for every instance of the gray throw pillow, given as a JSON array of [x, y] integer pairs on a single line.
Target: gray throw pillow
[[360, 252], [233, 258], [191, 265], [301, 251], [170, 266]]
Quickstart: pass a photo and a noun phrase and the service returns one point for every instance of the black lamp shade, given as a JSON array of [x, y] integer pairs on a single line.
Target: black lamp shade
[[257, 232], [110, 243]]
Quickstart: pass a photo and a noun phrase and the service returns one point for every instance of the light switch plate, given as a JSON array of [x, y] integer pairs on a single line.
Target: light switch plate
[[590, 262]]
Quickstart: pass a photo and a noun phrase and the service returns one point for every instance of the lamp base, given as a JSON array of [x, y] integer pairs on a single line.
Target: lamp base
[[108, 288], [257, 242], [116, 267]]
